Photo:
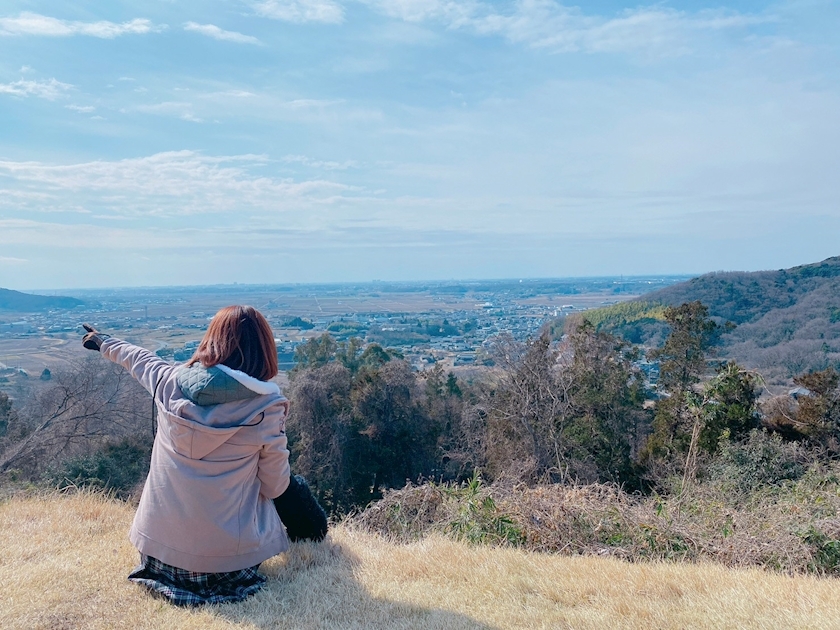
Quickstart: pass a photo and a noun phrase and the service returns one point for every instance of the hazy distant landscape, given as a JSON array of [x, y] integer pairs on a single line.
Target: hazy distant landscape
[[785, 322], [408, 316]]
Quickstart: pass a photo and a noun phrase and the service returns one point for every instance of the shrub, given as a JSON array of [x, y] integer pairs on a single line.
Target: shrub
[[826, 551], [791, 527], [117, 468], [7, 413], [478, 519], [465, 511], [760, 460]]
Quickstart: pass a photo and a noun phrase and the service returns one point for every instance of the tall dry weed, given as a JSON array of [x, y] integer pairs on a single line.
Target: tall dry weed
[[791, 527]]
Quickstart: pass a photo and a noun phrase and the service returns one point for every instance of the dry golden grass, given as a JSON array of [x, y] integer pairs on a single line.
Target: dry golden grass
[[63, 562]]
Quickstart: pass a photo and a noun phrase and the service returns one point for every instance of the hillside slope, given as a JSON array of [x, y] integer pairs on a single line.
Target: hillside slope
[[27, 303], [742, 297], [65, 559], [788, 321]]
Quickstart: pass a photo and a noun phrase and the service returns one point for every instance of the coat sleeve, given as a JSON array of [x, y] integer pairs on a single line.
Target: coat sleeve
[[274, 471], [147, 368]]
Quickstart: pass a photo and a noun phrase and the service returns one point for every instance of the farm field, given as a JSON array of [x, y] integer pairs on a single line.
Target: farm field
[[163, 317]]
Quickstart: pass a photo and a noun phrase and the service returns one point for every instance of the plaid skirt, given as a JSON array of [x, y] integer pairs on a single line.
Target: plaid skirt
[[188, 588]]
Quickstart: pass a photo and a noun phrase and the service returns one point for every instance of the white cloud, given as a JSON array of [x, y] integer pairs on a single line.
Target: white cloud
[[312, 103], [210, 30], [35, 24], [549, 24], [179, 109], [233, 93], [229, 102], [326, 165], [454, 13], [82, 109], [49, 90], [298, 11], [164, 184], [24, 232]]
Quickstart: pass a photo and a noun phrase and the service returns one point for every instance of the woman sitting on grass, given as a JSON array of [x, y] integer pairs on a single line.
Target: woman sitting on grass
[[206, 519]]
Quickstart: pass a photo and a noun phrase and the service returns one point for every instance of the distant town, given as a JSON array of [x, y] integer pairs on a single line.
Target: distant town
[[448, 322]]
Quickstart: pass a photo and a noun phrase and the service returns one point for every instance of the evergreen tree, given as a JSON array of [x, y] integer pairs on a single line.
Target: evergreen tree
[[729, 406], [818, 415], [682, 363], [315, 352], [607, 398]]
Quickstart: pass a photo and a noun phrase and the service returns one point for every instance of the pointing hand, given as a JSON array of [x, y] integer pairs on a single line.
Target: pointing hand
[[93, 339]]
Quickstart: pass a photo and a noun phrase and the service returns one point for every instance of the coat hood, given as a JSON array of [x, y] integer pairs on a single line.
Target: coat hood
[[210, 405], [220, 384]]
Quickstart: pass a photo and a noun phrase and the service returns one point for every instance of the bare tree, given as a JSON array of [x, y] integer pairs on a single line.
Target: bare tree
[[564, 411], [526, 411], [84, 406]]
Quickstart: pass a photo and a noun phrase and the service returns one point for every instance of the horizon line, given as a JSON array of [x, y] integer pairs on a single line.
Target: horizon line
[[368, 282]]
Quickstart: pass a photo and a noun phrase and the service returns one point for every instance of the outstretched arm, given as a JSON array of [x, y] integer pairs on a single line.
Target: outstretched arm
[[146, 367]]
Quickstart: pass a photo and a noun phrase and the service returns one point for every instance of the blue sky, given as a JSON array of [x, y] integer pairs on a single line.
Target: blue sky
[[161, 143]]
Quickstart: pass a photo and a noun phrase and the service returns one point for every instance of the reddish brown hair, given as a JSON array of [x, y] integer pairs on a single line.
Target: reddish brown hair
[[240, 338]]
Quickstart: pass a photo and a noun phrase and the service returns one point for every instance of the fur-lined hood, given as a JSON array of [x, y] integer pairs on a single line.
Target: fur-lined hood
[[220, 384]]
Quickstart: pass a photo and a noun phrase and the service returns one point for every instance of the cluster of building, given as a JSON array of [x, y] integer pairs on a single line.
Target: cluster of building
[[454, 324], [454, 337]]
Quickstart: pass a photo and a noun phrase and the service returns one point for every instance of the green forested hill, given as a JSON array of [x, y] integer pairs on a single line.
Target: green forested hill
[[26, 302], [788, 321], [745, 297]]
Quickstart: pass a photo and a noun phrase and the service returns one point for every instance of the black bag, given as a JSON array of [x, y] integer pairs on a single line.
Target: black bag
[[300, 512]]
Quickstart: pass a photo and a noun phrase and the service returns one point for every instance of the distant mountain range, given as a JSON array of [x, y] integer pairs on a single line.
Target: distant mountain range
[[18, 302], [788, 321]]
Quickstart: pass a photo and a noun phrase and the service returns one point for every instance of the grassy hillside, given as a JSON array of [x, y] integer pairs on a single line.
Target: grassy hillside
[[26, 302], [65, 559], [640, 321], [788, 320]]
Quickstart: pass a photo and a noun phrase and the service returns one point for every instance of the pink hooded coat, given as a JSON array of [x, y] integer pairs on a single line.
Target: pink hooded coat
[[206, 505]]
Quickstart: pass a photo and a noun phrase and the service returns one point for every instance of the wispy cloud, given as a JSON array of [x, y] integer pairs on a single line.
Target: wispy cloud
[[453, 12], [228, 93], [168, 184], [11, 260], [50, 90], [211, 30], [178, 109], [326, 165], [299, 11], [552, 25], [312, 103], [82, 109], [35, 24]]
